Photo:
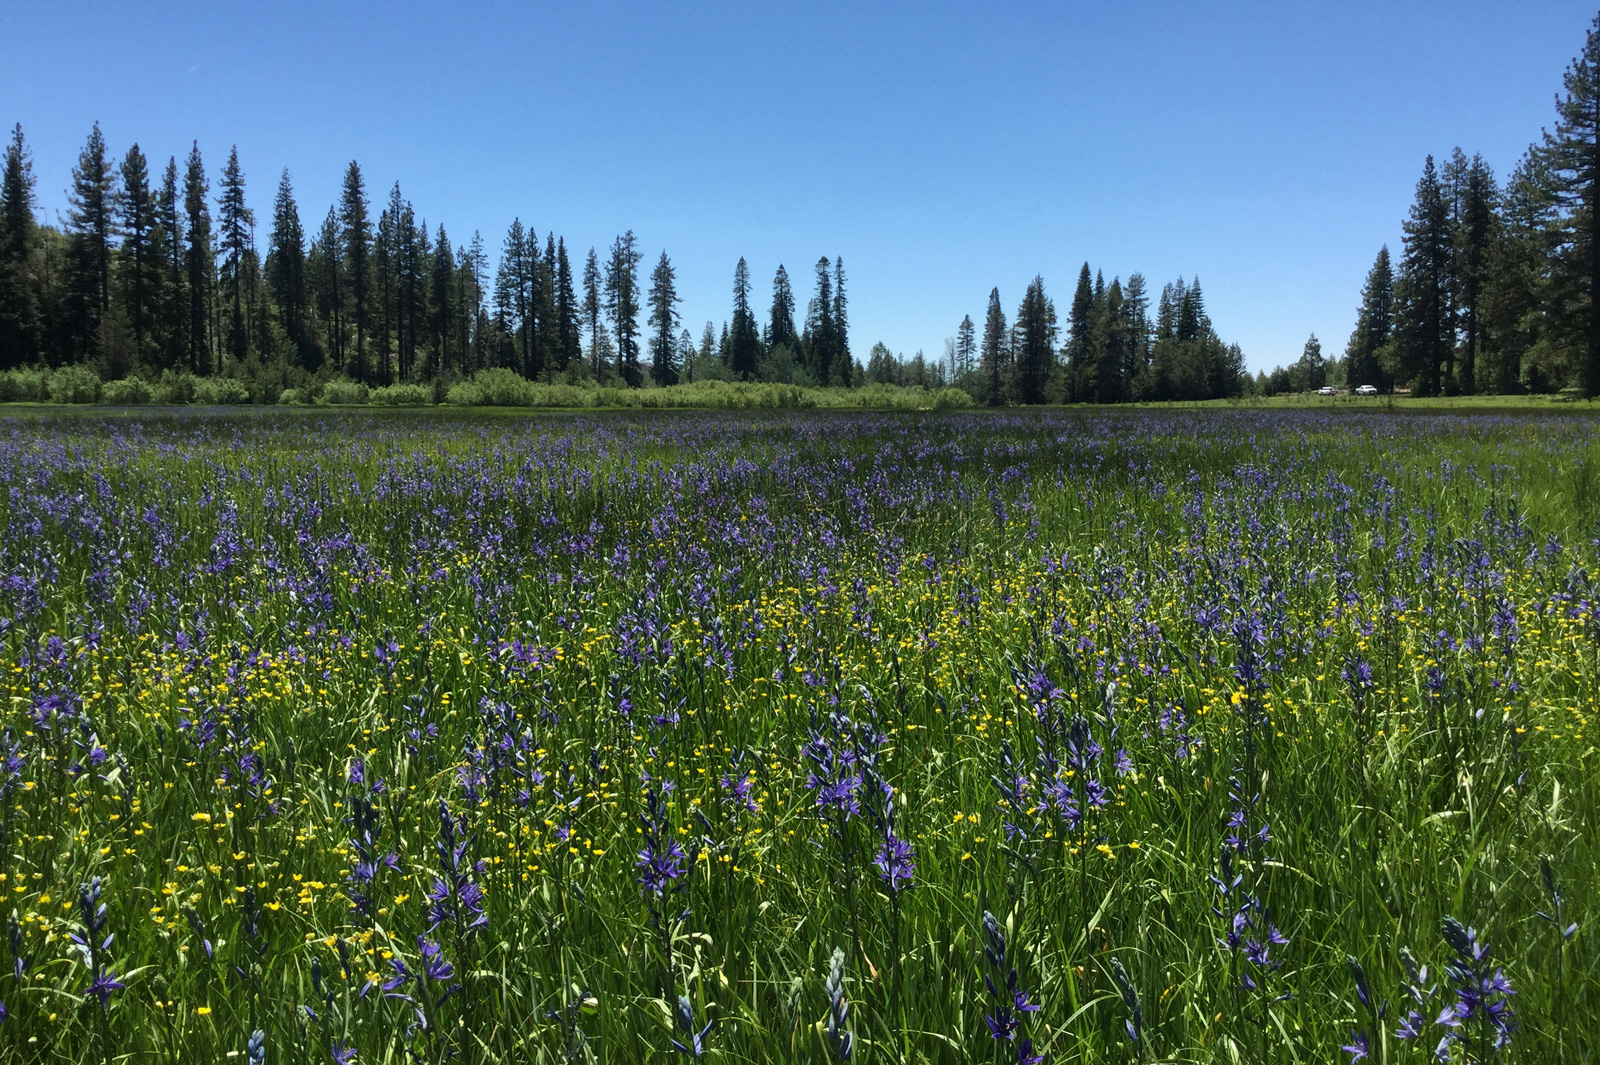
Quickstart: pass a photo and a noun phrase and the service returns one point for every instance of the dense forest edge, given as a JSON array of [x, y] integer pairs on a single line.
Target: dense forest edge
[[149, 290]]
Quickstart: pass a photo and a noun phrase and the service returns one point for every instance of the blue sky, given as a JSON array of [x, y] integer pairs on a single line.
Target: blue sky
[[941, 149]]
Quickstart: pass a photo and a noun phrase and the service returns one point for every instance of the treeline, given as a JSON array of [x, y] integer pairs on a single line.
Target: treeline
[[1497, 285], [1112, 351], [153, 275]]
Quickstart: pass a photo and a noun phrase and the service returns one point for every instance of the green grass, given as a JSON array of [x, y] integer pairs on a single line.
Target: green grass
[[581, 604]]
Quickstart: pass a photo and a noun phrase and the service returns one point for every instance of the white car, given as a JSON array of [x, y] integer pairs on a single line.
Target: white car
[[1367, 390], [1327, 390]]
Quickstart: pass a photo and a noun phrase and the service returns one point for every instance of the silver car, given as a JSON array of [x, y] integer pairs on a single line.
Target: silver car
[[1367, 390]]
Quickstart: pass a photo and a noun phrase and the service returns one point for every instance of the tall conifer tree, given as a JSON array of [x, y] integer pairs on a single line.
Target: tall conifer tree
[[19, 305], [663, 321], [235, 229], [174, 342], [841, 363], [994, 351], [1036, 338], [1425, 339], [136, 210], [286, 270], [355, 227], [90, 228], [746, 349], [1573, 153], [198, 261], [780, 324], [1367, 352], [622, 302]]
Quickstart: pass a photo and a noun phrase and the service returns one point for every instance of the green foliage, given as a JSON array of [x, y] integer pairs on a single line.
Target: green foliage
[[24, 386], [74, 384], [401, 396], [342, 392], [128, 392], [221, 391]]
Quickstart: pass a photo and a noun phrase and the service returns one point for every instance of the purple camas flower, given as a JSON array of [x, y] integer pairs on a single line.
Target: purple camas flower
[[895, 862], [693, 1044], [432, 962], [455, 899], [103, 982], [1010, 1003], [104, 985], [661, 860], [1358, 1048]]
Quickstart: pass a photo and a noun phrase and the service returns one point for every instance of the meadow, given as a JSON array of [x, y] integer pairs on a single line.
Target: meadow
[[1255, 735]]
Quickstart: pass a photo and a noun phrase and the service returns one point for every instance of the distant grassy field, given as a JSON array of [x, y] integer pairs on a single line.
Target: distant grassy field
[[1089, 735]]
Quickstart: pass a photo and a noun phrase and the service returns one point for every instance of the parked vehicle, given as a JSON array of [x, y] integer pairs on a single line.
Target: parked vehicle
[[1367, 390], [1327, 390]]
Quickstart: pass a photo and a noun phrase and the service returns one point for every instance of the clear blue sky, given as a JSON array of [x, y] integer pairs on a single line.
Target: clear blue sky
[[941, 149]]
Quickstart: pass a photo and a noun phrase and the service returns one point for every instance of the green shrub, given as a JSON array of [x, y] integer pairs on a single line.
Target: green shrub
[[24, 386], [493, 388], [341, 392], [401, 396], [952, 399], [221, 391], [291, 397], [176, 386], [74, 384], [128, 392]]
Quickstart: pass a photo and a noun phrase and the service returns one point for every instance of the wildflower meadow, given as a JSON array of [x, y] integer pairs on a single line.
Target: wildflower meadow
[[1136, 736]]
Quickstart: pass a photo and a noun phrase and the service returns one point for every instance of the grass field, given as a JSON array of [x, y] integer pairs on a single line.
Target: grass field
[[1089, 736]]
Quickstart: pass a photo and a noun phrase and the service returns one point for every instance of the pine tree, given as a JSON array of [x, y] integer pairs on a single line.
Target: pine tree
[[198, 261], [411, 287], [549, 320], [780, 324], [475, 269], [511, 296], [533, 282], [591, 309], [1110, 346], [355, 230], [1367, 351], [746, 343], [19, 303], [663, 301], [622, 302], [1136, 315], [1080, 341], [708, 347], [1311, 372], [820, 339], [1036, 338], [235, 225], [570, 349], [1517, 287], [442, 304], [1474, 202], [1572, 151], [286, 271], [90, 227], [385, 261], [686, 352], [136, 210], [174, 343], [326, 258], [966, 348], [841, 363], [1422, 293], [994, 354]]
